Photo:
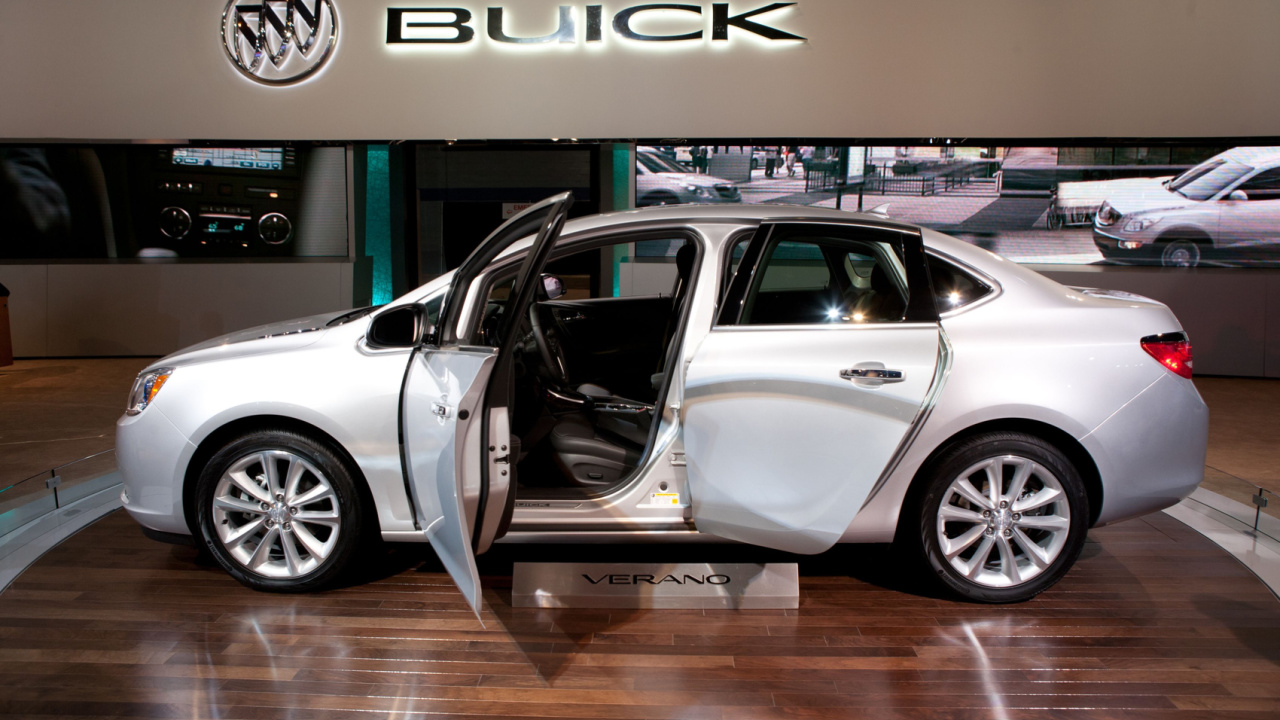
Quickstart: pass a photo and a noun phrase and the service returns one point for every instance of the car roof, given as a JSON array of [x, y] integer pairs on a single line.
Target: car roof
[[727, 213], [1254, 156]]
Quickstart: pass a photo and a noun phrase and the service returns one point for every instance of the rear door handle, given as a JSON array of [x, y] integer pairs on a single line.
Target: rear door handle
[[879, 374]]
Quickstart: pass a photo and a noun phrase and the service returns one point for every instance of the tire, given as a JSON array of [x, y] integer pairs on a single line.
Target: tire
[[755, 164], [1010, 571], [305, 538], [1180, 252]]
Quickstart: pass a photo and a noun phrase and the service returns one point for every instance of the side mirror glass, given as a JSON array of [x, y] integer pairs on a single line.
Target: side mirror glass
[[1238, 196], [553, 286], [398, 328]]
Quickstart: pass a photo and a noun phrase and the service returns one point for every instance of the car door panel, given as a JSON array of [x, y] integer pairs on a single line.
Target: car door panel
[[449, 409], [789, 425], [443, 392], [782, 451]]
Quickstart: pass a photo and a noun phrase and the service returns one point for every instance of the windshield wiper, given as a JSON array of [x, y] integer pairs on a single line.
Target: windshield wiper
[[348, 317]]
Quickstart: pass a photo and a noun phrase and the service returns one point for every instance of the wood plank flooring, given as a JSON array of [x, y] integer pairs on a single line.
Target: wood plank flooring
[[1154, 622]]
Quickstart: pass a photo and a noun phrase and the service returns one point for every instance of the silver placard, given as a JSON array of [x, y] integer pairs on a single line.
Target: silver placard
[[656, 585]]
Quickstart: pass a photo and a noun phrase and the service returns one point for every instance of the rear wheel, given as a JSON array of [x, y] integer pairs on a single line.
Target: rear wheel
[[279, 511], [1003, 517]]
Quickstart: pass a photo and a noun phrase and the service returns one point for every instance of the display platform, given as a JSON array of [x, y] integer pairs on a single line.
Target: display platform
[[741, 586], [1155, 621]]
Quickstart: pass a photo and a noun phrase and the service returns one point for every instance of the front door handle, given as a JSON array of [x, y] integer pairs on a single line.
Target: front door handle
[[881, 375]]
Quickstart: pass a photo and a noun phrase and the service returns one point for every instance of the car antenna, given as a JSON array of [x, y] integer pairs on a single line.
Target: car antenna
[[881, 210]]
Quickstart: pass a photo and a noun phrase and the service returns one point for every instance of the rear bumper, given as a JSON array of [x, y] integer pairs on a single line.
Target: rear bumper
[[1151, 452]]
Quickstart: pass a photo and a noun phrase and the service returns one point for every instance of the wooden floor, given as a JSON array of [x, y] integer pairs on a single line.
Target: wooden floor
[[1154, 622]]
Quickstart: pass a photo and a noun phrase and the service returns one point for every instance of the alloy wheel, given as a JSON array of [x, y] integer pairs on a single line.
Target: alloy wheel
[[1003, 521], [276, 514]]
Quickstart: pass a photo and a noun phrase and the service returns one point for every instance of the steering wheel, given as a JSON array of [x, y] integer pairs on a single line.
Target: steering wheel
[[549, 347]]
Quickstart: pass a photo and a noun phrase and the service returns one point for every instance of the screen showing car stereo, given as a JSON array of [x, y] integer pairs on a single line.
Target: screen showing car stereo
[[266, 159]]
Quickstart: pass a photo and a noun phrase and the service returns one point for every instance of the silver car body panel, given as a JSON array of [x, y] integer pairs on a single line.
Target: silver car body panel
[[1033, 351]]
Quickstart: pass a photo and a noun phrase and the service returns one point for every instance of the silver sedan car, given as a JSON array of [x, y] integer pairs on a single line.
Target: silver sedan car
[[786, 377]]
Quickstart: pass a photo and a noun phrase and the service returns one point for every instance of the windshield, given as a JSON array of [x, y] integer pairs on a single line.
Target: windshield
[[655, 163], [1208, 178]]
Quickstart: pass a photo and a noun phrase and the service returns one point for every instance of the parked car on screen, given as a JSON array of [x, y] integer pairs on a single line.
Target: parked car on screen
[[798, 378], [662, 181], [1226, 208]]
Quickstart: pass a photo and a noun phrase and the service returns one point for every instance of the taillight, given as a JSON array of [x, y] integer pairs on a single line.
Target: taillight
[[1172, 350]]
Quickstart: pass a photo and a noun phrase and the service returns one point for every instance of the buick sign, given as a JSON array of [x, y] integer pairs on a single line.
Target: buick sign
[[456, 25]]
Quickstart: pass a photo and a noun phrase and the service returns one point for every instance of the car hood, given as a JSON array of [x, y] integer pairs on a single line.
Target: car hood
[[1143, 195], [695, 180], [274, 337]]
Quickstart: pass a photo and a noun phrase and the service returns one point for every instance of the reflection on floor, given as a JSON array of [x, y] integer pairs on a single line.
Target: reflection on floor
[[55, 411], [1154, 622]]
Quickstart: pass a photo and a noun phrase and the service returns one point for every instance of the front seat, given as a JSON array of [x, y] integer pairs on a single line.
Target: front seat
[[604, 446], [685, 257], [587, 458]]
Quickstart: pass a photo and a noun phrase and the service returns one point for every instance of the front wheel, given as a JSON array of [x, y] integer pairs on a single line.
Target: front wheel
[[1180, 253], [279, 511], [1003, 517]]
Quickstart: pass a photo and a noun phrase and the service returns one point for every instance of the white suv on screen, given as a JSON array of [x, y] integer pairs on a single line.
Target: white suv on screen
[[1225, 208], [662, 181]]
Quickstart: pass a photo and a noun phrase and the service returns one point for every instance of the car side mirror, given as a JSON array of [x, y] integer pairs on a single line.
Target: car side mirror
[[1238, 196], [401, 327], [553, 286]]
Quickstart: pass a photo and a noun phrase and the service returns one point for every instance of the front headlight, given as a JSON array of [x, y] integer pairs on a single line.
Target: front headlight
[[699, 190], [1106, 215], [145, 389], [1140, 224]]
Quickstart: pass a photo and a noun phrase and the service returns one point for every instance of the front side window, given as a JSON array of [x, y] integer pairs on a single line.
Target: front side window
[[827, 280], [1263, 186]]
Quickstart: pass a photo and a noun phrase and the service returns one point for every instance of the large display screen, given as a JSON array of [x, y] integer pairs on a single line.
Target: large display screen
[[62, 201], [232, 158], [1181, 204]]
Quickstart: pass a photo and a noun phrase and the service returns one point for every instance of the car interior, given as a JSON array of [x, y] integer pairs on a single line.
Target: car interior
[[591, 364]]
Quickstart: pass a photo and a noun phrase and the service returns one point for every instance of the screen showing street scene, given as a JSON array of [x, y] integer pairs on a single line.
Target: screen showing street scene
[[1171, 205]]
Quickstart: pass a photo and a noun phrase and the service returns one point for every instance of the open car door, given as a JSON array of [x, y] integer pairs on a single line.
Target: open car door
[[455, 432], [820, 363]]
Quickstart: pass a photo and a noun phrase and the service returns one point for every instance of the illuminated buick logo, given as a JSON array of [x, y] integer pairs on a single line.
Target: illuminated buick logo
[[279, 42]]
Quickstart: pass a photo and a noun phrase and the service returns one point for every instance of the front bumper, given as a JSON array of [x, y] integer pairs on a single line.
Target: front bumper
[[152, 455]]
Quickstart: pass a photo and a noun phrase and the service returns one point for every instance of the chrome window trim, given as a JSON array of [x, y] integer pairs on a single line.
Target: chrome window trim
[[825, 327]]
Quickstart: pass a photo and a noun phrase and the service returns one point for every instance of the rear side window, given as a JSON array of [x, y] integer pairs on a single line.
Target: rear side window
[[824, 280], [954, 288]]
